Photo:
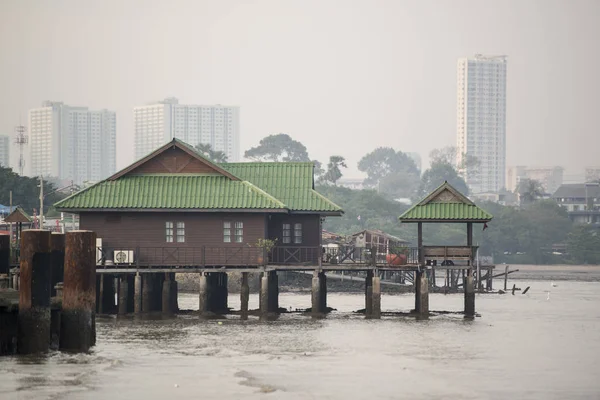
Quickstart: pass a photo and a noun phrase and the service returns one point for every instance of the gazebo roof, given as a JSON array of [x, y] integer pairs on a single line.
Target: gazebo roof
[[18, 215], [445, 204]]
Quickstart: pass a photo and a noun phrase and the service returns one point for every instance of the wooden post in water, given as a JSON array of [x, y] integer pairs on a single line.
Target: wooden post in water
[[323, 292], [34, 292], [264, 294], [469, 287], [147, 292], [244, 296], [57, 260], [77, 330], [505, 278]]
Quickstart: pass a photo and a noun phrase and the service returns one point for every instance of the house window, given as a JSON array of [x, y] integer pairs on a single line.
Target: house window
[[287, 233], [239, 232], [169, 232], [180, 232], [292, 236], [172, 235], [297, 233], [233, 232]]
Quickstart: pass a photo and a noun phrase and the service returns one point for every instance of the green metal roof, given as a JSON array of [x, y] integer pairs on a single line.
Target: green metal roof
[[445, 204], [171, 192], [290, 182]]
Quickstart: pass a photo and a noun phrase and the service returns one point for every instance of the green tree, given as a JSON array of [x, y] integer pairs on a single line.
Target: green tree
[[583, 245], [280, 147], [25, 191], [334, 173], [319, 171], [392, 172], [206, 150], [529, 190], [437, 174]]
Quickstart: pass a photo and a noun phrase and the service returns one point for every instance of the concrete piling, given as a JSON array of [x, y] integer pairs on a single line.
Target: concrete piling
[[168, 289], [269, 290], [316, 294], [376, 301], [57, 259], [106, 297], [264, 293], [421, 294], [469, 294], [147, 293], [137, 294], [34, 294], [323, 298], [204, 295], [244, 296], [79, 292], [123, 294]]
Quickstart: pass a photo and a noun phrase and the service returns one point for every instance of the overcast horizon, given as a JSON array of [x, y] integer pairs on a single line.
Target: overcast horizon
[[328, 73]]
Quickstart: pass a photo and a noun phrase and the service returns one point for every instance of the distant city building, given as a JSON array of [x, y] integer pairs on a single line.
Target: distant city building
[[592, 174], [581, 200], [4, 151], [550, 177], [416, 157], [72, 143], [481, 120], [155, 124]]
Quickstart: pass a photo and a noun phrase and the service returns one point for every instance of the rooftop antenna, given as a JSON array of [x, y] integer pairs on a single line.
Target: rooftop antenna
[[21, 140]]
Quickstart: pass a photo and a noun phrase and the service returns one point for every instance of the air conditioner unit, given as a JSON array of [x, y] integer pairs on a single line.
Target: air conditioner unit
[[123, 257]]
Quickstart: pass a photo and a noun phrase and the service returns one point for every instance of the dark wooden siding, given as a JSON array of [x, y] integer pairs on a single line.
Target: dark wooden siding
[[288, 253], [174, 161], [144, 232]]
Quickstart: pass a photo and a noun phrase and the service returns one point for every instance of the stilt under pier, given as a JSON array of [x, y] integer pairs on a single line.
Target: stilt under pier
[[376, 298], [369, 293], [269, 302], [137, 296], [244, 296], [123, 294], [319, 293]]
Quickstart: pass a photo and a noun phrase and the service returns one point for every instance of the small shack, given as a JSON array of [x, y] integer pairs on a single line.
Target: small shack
[[18, 217]]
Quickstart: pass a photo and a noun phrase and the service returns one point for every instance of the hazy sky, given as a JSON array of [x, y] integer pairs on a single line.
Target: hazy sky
[[343, 77]]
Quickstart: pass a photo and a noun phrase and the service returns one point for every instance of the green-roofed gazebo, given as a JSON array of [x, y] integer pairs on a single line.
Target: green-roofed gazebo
[[446, 205]]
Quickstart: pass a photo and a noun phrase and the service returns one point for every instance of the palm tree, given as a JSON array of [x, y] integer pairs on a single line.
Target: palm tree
[[530, 190], [207, 151]]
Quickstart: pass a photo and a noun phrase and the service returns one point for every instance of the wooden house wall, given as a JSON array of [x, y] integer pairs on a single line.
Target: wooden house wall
[[308, 251], [145, 233]]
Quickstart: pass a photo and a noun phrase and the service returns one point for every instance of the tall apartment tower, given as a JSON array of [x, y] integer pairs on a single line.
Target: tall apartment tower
[[481, 120], [4, 151], [157, 123], [72, 143]]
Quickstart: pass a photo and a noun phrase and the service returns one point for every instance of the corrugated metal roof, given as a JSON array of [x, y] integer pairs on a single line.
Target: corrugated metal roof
[[446, 212], [292, 183], [172, 192]]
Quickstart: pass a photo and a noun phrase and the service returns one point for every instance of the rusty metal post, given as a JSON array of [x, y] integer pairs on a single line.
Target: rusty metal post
[[57, 259], [34, 293], [4, 254], [79, 292]]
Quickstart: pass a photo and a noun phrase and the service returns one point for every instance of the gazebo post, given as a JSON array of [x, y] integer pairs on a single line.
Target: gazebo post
[[420, 243]]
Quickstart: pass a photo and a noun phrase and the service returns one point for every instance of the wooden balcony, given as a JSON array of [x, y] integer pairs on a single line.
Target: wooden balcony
[[445, 253]]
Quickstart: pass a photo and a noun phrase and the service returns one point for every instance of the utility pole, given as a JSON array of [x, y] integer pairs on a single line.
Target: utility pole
[[10, 236], [41, 217]]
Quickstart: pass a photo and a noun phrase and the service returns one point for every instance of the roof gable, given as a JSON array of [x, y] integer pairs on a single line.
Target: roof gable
[[445, 204], [18, 215], [290, 182], [174, 157]]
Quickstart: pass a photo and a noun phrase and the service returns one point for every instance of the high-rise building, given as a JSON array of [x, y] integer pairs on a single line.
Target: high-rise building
[[550, 177], [72, 143], [592, 174], [157, 123], [481, 121], [4, 151]]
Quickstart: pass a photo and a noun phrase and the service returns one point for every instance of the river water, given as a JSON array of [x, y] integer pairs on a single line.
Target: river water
[[522, 346]]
